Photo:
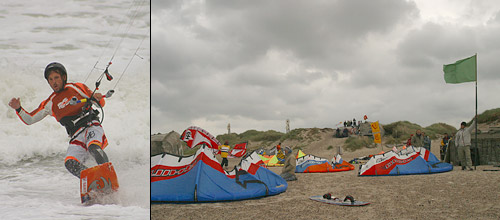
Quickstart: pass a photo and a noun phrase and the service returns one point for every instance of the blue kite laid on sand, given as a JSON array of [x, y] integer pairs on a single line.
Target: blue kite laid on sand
[[200, 178], [412, 160]]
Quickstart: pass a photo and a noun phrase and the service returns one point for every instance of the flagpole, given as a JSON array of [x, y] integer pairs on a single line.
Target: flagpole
[[475, 118]]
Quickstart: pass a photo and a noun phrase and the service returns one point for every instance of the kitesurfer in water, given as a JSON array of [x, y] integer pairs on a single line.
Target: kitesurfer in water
[[80, 120]]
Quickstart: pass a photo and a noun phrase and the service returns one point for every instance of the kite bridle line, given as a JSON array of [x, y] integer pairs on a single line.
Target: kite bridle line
[[131, 58], [109, 77], [125, 34]]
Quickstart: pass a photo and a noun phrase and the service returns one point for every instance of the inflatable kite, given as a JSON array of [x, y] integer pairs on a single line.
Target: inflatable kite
[[313, 164], [271, 161], [200, 178], [412, 160], [194, 136]]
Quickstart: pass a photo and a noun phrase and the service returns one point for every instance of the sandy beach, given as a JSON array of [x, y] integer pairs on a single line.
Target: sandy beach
[[452, 195]]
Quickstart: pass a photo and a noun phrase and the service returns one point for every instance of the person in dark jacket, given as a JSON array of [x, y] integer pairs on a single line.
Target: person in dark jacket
[[444, 145], [427, 142], [417, 140]]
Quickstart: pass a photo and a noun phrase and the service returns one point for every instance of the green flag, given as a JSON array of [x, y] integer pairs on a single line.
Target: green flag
[[461, 71]]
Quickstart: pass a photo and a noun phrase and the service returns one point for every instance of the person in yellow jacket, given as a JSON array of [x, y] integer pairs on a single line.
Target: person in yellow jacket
[[279, 154], [224, 150]]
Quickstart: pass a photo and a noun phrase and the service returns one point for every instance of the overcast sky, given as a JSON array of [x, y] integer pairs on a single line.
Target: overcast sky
[[255, 64]]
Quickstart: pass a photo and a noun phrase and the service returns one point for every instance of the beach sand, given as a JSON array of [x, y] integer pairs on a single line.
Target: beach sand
[[452, 195]]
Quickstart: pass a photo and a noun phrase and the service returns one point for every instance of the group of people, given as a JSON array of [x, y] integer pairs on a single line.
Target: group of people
[[350, 127], [420, 140], [341, 134], [462, 141], [352, 123]]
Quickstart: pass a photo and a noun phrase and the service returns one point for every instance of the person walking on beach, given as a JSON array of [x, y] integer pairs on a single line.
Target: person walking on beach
[[224, 150], [417, 140], [462, 141]]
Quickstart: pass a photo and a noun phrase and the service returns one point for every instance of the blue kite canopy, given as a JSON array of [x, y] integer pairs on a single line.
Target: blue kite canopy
[[253, 165], [412, 160], [200, 178]]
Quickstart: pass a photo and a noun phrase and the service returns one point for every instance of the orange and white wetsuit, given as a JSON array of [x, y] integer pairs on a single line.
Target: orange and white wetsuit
[[58, 105]]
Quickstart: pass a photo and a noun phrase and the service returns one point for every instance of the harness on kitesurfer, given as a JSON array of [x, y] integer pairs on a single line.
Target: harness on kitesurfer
[[76, 124]]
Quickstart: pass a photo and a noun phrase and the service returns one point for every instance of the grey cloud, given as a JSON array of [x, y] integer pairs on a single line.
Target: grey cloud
[[435, 43], [157, 6], [245, 33], [312, 31], [314, 62], [495, 19]]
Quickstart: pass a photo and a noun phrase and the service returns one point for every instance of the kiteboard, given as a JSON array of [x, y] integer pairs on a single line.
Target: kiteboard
[[97, 182], [348, 201]]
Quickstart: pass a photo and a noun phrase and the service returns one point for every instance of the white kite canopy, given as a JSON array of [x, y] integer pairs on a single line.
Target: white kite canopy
[[412, 160], [194, 136], [238, 150]]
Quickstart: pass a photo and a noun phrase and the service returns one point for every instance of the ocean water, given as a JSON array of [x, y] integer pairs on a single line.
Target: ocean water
[[81, 34]]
